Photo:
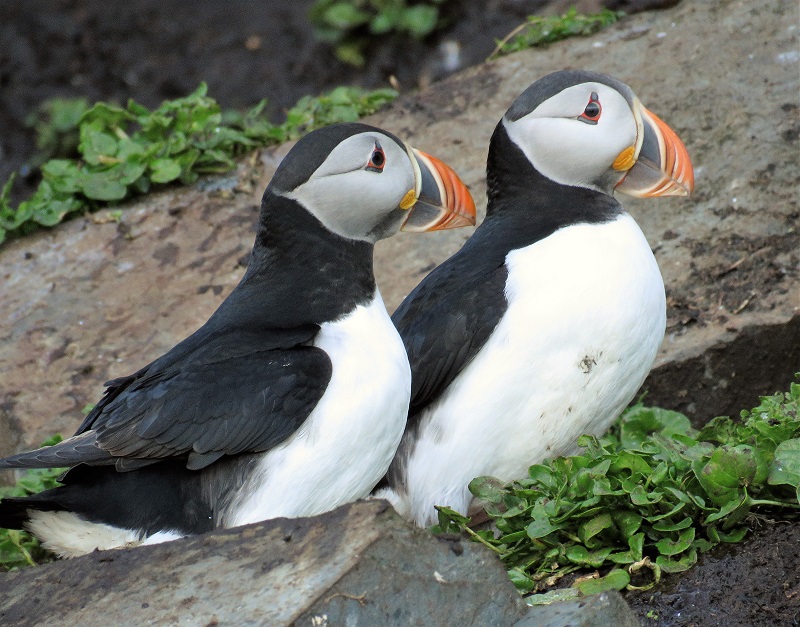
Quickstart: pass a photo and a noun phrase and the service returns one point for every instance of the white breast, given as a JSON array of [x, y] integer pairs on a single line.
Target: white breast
[[585, 318], [347, 443]]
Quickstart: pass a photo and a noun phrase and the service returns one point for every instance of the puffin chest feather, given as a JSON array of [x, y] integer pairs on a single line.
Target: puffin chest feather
[[585, 318], [348, 441]]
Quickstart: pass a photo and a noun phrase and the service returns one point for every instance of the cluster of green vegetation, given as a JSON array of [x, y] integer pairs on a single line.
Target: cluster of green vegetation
[[125, 151], [540, 31], [92, 156], [19, 548], [642, 500], [349, 25]]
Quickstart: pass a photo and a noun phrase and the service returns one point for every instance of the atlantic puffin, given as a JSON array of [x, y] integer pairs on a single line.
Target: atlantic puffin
[[292, 398], [547, 321]]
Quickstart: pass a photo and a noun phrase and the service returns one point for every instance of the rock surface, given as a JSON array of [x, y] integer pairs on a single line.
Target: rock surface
[[360, 564], [606, 609], [98, 297]]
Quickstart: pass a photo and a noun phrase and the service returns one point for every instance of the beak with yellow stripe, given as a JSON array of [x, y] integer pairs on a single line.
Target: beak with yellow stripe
[[659, 165], [439, 199]]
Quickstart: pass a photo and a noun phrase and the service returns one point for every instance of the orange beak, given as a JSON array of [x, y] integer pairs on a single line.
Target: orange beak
[[662, 167], [440, 200]]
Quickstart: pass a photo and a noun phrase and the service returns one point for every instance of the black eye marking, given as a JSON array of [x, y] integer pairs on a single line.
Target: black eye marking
[[378, 159], [591, 114]]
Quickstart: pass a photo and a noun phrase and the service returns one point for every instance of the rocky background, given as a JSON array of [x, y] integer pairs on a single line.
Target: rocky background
[[98, 297]]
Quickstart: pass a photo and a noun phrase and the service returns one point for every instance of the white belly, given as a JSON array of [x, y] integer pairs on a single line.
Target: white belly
[[347, 443], [585, 319]]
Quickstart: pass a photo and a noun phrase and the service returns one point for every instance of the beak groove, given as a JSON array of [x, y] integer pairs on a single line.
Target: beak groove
[[443, 201], [663, 166]]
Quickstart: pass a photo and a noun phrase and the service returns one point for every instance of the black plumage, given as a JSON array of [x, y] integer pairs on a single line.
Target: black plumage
[[183, 445]]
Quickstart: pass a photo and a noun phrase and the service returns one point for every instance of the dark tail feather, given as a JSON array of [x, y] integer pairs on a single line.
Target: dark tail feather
[[14, 510], [164, 496]]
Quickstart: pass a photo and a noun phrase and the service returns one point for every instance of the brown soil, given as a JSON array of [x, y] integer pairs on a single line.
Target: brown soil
[[756, 584]]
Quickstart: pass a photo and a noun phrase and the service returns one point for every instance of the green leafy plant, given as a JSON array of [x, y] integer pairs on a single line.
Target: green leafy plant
[[346, 23], [645, 498], [19, 548], [540, 31], [125, 151], [56, 124]]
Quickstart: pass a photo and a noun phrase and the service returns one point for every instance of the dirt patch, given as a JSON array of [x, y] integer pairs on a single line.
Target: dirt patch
[[731, 375], [755, 584], [730, 271]]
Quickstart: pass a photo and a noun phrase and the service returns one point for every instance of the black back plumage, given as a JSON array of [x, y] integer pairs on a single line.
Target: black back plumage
[[451, 314]]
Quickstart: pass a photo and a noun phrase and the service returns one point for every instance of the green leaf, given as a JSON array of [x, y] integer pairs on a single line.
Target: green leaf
[[553, 596], [344, 15], [64, 175], [101, 186], [128, 171], [732, 512], [727, 469], [616, 579], [640, 423], [97, 146], [665, 526], [164, 170], [450, 521], [419, 20], [639, 496], [578, 554], [669, 546], [785, 469], [626, 460], [732, 536], [487, 489], [106, 115], [636, 544], [545, 30], [677, 565], [384, 22], [588, 530], [522, 581], [53, 212]]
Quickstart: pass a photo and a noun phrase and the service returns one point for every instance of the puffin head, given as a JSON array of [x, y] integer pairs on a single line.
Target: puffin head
[[363, 183], [589, 130]]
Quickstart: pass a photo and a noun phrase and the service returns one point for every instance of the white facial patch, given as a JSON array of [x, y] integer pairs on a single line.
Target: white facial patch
[[349, 199], [567, 149]]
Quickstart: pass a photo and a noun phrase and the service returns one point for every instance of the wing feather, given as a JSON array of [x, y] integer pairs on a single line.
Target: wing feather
[[228, 394], [446, 320]]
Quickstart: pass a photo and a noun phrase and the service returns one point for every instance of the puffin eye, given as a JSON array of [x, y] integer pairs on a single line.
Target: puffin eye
[[377, 160], [591, 114]]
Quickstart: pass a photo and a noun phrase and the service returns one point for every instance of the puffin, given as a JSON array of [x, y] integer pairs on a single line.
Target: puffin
[[544, 325], [292, 398]]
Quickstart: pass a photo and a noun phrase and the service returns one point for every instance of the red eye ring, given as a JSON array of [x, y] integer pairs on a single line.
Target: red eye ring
[[591, 114], [378, 159]]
